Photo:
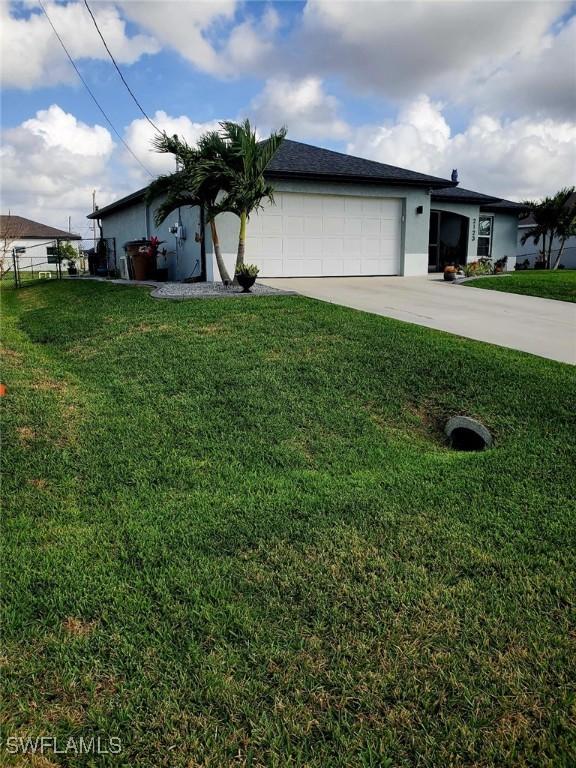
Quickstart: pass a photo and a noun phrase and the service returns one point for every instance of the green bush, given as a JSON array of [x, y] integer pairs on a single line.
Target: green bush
[[248, 270], [479, 267]]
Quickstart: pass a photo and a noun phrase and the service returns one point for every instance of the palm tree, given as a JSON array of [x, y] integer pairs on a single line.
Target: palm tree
[[239, 170], [567, 223], [183, 188], [553, 217]]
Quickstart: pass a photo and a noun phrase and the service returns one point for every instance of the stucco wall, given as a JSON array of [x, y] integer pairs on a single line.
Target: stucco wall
[[137, 221], [36, 257], [414, 256], [530, 251], [505, 238]]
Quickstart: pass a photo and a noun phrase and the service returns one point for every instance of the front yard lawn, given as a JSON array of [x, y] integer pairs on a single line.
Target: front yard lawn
[[234, 536], [560, 285]]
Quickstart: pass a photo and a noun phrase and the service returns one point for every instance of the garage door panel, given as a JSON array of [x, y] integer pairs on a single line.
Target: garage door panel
[[293, 248], [389, 229], [293, 225], [332, 247], [353, 226], [369, 267], [272, 225], [315, 235], [371, 246], [370, 226], [334, 225], [313, 225]]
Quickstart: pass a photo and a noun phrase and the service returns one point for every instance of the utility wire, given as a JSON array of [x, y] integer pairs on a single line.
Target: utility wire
[[130, 91], [94, 99]]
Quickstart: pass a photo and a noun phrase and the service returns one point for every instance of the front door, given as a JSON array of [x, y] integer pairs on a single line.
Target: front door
[[447, 240]]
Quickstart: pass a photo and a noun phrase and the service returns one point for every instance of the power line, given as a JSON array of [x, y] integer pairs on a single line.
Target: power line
[[94, 99], [130, 91]]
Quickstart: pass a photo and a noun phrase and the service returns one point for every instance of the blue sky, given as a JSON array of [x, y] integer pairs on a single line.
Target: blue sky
[[487, 87]]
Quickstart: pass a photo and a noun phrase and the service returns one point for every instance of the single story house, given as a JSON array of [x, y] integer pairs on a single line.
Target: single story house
[[33, 244], [334, 214], [529, 251]]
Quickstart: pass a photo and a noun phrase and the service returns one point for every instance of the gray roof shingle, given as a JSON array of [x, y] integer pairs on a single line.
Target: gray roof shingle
[[17, 227], [304, 161], [486, 202]]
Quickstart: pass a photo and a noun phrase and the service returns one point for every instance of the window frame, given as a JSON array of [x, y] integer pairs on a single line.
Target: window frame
[[485, 237]]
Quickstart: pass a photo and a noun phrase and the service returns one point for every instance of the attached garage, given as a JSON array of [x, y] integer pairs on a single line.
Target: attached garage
[[322, 235]]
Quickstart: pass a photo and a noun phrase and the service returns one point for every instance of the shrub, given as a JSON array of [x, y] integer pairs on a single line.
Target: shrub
[[248, 270], [479, 267]]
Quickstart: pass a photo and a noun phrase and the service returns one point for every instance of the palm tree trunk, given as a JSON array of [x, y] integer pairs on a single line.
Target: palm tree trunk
[[224, 276], [557, 262], [241, 243]]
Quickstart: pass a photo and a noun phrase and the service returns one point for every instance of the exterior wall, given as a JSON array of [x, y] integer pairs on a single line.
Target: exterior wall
[[503, 237], [414, 255], [136, 222], [36, 257], [530, 251]]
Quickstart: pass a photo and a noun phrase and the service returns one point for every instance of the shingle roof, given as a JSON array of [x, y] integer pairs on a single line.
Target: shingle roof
[[486, 202], [462, 195], [304, 161], [18, 227]]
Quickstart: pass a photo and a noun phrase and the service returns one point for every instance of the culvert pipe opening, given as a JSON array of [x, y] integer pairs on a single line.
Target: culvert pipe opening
[[466, 434]]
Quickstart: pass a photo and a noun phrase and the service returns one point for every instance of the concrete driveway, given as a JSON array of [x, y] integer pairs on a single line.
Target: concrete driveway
[[540, 326]]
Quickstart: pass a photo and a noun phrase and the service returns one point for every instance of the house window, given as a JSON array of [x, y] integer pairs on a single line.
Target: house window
[[485, 226], [52, 254]]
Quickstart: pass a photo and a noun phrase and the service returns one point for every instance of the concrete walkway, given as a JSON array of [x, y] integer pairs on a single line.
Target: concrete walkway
[[540, 326]]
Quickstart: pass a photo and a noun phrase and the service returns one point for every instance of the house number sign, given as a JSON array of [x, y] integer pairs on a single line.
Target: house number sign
[[473, 230]]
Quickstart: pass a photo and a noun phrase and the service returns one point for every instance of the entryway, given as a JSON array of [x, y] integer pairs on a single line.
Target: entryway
[[447, 241]]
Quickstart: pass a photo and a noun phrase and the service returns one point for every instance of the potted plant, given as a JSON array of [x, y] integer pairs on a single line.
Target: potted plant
[[451, 272], [71, 266], [500, 265], [246, 276]]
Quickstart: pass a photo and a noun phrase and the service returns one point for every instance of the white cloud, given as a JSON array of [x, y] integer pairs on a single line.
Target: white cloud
[[184, 26], [208, 35], [450, 49], [302, 105], [139, 135], [50, 165], [519, 158], [539, 81], [32, 56]]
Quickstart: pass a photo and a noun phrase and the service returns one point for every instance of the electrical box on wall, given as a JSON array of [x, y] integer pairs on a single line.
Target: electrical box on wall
[[178, 230]]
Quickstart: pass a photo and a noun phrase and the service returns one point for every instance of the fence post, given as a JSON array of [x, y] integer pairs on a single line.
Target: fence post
[[15, 268]]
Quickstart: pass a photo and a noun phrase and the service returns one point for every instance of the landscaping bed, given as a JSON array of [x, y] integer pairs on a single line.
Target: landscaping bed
[[234, 534], [559, 284]]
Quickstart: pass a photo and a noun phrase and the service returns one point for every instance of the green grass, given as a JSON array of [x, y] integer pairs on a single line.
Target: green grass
[[234, 536], [560, 285]]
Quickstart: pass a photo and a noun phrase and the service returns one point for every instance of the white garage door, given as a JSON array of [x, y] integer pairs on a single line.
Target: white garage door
[[325, 235]]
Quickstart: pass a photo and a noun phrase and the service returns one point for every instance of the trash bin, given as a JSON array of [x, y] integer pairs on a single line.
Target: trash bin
[[139, 257]]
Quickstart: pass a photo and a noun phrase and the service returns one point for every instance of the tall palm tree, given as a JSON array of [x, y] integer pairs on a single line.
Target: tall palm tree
[[554, 217], [183, 188], [239, 170]]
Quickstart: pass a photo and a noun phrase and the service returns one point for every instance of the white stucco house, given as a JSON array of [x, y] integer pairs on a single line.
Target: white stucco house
[[334, 214], [32, 243]]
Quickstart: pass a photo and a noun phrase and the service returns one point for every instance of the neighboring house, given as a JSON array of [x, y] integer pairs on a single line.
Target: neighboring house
[[530, 251], [33, 244], [334, 214]]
